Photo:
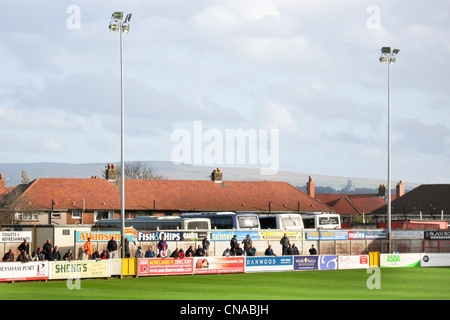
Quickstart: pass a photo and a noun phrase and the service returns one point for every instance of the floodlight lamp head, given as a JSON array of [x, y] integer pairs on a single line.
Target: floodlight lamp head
[[383, 59], [395, 51], [126, 28], [114, 27], [117, 15], [386, 50], [392, 60], [128, 18]]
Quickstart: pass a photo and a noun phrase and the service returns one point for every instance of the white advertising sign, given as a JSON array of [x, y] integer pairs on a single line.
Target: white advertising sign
[[353, 261], [19, 271], [15, 236], [435, 260]]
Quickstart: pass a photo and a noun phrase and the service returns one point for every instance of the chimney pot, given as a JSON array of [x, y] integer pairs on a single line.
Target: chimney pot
[[216, 176], [400, 189]]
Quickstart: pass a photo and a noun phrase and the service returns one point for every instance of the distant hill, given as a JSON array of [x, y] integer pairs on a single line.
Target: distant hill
[[12, 173]]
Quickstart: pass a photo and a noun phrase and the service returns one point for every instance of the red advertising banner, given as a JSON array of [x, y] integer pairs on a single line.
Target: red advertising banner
[[168, 266], [20, 271], [209, 265]]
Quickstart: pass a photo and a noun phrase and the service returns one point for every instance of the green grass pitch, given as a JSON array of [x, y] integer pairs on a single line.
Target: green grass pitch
[[395, 284]]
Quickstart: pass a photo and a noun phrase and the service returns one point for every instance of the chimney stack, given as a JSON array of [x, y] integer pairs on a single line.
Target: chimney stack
[[400, 189], [216, 176], [310, 187], [2, 182], [111, 172], [382, 191]]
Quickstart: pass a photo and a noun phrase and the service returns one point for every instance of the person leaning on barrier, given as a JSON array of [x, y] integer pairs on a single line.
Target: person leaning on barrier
[[88, 247], [181, 254], [269, 251], [313, 250], [150, 253], [56, 254], [190, 252], [138, 253], [68, 256], [23, 257], [226, 253], [200, 252], [104, 255], [295, 250], [239, 251], [175, 253], [9, 256], [251, 251]]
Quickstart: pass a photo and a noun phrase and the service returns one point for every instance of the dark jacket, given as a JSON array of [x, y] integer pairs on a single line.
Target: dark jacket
[[112, 245]]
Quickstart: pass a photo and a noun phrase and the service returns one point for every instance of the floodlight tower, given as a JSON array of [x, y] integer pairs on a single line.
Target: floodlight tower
[[122, 26], [389, 57]]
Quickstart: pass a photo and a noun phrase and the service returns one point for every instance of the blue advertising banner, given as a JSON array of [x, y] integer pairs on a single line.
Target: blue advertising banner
[[327, 235], [228, 235], [306, 263], [328, 262], [268, 264], [157, 235], [367, 235]]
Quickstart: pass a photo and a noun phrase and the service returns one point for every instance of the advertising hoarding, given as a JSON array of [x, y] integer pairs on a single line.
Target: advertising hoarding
[[268, 264], [19, 271], [80, 269], [208, 265], [405, 260], [353, 261], [169, 266]]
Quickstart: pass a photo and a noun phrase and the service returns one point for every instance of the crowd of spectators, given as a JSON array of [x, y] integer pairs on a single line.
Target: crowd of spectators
[[48, 252]]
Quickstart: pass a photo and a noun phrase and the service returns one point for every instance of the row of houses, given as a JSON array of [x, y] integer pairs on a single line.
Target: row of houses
[[71, 201]]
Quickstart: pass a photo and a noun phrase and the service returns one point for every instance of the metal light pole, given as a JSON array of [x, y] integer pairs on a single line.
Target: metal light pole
[[389, 57], [117, 24]]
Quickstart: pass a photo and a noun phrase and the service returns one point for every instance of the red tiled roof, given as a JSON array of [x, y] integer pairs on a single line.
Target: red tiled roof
[[348, 204], [176, 195]]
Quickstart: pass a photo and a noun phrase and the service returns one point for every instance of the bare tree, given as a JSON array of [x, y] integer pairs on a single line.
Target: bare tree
[[138, 170], [15, 208]]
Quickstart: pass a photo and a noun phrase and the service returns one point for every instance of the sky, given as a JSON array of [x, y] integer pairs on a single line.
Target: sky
[[300, 79]]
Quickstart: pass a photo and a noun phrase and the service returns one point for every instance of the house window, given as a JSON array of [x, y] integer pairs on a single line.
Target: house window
[[20, 216], [66, 232], [76, 214], [56, 214], [100, 215]]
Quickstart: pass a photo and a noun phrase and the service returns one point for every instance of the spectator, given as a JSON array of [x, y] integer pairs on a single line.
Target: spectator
[[181, 254], [39, 254], [104, 255], [25, 246], [112, 247], [23, 257], [150, 253], [295, 249], [162, 245], [34, 256], [247, 242], [199, 252], [233, 243], [251, 251], [68, 256], [175, 253], [9, 256], [84, 255], [88, 247], [96, 255], [226, 253], [290, 250], [49, 255], [206, 244], [127, 248], [56, 254], [46, 247], [190, 252], [138, 253], [239, 251], [269, 251], [313, 250], [284, 244]]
